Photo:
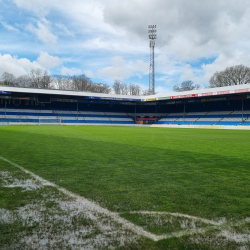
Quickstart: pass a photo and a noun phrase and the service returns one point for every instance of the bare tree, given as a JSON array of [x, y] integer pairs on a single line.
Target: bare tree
[[235, 75], [117, 87], [121, 88], [8, 79], [125, 89], [39, 79], [186, 86], [81, 83], [100, 88], [145, 92], [23, 81], [62, 82], [134, 89]]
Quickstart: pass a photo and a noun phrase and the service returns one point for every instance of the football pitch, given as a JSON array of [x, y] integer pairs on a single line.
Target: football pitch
[[101, 187]]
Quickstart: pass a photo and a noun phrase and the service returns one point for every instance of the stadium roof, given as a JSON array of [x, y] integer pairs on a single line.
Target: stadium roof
[[204, 92], [172, 95]]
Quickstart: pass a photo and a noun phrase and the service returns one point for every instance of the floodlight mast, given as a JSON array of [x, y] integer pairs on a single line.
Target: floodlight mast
[[152, 37]]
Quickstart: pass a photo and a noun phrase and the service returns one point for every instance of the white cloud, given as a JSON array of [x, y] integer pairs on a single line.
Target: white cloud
[[21, 66], [139, 68], [186, 29], [47, 61], [70, 71], [64, 30], [16, 66], [43, 31], [89, 73], [187, 74], [118, 71], [39, 7], [223, 61], [167, 65], [163, 89], [122, 70], [188, 32], [8, 27]]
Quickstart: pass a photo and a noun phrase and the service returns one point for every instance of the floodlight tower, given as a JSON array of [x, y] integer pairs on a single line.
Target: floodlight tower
[[152, 36]]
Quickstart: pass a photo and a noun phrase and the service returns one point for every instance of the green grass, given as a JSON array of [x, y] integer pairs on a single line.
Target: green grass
[[203, 173], [162, 224], [198, 172]]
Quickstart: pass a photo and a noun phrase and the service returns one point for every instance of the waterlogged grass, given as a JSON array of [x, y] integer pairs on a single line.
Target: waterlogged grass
[[44, 218], [204, 173], [163, 224]]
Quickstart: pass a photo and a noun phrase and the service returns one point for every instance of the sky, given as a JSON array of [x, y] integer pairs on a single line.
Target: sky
[[107, 40]]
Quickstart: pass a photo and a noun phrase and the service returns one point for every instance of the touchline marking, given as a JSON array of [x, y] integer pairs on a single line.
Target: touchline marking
[[89, 204], [94, 207], [179, 215]]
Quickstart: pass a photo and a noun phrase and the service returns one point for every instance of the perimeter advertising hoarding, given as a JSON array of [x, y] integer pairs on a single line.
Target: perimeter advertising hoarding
[[224, 92], [113, 98], [164, 98], [183, 96], [5, 92], [241, 90], [207, 94]]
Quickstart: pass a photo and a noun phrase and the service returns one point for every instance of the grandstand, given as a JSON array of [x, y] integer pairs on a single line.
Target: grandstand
[[226, 106]]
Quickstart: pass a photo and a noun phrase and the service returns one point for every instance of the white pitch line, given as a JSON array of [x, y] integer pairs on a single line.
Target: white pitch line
[[180, 215], [92, 206]]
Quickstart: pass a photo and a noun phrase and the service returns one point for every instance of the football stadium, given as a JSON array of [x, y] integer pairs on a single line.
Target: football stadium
[[217, 107], [128, 172]]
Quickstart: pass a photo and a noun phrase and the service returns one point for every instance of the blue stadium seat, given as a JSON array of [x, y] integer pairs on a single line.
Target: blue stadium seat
[[246, 123], [228, 123], [99, 121], [123, 122], [69, 121], [166, 123], [182, 122], [204, 123]]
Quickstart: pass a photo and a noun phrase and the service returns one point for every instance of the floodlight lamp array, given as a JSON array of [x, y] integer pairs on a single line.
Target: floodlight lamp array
[[152, 32]]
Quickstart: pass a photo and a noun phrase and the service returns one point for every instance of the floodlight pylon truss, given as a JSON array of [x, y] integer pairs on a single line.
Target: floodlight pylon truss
[[152, 37]]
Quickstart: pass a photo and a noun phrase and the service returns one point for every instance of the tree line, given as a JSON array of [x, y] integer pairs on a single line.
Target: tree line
[[38, 78], [121, 88], [234, 75]]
